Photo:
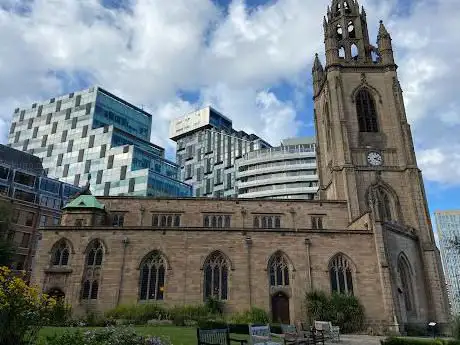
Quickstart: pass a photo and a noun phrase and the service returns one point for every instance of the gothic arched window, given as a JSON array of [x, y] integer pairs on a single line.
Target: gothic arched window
[[367, 115], [406, 283], [60, 253], [278, 270], [92, 270], [340, 274], [216, 276], [384, 206], [351, 30], [152, 277]]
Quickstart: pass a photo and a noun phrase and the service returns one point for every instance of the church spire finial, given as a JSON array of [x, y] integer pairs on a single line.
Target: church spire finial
[[317, 66], [383, 33]]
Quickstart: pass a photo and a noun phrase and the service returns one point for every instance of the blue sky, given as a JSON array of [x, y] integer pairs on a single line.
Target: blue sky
[[250, 59]]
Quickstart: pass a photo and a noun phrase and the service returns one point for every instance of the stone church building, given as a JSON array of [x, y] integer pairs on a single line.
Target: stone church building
[[369, 234]]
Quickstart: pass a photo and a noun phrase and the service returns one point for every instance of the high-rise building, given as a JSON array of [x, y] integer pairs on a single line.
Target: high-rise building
[[207, 148], [93, 133], [35, 200], [448, 227], [284, 172]]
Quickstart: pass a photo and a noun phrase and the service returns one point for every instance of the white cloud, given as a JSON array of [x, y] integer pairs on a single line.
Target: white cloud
[[155, 49]]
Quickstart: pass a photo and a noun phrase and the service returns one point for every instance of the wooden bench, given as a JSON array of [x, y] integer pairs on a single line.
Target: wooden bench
[[220, 336]]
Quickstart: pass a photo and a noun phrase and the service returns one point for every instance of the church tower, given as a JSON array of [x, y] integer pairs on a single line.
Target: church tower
[[366, 154]]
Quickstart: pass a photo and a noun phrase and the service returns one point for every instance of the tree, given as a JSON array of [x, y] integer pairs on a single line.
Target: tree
[[7, 247]]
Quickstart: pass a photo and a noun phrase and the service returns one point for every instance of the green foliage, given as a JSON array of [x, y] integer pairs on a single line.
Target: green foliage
[[456, 327], [254, 315], [59, 314], [104, 336], [23, 310], [7, 247], [139, 313], [411, 341], [342, 310], [215, 306]]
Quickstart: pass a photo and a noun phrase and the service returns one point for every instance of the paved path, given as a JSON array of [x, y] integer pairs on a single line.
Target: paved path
[[351, 339]]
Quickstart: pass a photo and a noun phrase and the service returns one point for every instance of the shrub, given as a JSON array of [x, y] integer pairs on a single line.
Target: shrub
[[23, 310], [456, 327], [138, 313], [59, 315], [342, 310], [105, 336], [214, 305], [254, 315]]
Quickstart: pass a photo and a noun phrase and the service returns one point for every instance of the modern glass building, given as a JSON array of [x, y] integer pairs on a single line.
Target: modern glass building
[[93, 134], [35, 199], [207, 149], [284, 172], [448, 228]]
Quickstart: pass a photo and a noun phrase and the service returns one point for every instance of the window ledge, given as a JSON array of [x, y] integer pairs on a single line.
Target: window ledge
[[58, 269]]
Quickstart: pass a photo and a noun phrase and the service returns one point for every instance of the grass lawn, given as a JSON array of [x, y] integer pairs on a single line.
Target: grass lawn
[[177, 335]]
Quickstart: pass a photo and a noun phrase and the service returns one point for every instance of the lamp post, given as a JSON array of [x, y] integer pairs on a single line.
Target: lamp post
[[432, 325]]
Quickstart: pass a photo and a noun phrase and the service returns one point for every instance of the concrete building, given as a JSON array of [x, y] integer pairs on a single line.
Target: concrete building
[[284, 172], [35, 201], [93, 133], [448, 227], [369, 234], [207, 148]]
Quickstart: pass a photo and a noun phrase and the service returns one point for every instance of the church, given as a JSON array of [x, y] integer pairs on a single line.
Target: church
[[369, 234]]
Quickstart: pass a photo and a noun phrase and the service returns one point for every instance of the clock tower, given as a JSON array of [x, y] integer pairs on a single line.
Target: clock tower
[[366, 154]]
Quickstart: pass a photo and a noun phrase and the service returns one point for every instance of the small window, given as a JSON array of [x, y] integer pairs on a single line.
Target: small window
[[87, 166], [30, 219], [118, 220], [43, 220], [30, 123], [106, 128], [54, 128], [48, 118], [64, 136], [74, 123], [67, 113], [58, 105], [77, 180], [17, 136], [44, 140], [103, 149], [132, 182], [71, 95], [52, 100], [177, 220], [106, 188], [21, 115], [80, 155], [13, 127], [25, 240], [110, 162], [49, 151], [70, 145], [66, 170], [99, 176], [84, 132], [155, 220], [25, 144], [88, 109], [91, 141], [39, 111], [77, 100], [59, 159], [123, 172], [317, 222]]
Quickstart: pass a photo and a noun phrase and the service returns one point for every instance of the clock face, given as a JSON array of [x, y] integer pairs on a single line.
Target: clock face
[[374, 158]]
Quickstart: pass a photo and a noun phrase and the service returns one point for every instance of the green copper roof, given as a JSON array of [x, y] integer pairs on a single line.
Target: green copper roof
[[85, 201]]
